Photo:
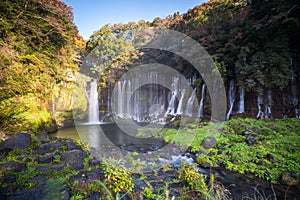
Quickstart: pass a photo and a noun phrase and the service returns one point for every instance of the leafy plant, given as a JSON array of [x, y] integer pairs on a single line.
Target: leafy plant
[[118, 177], [195, 180]]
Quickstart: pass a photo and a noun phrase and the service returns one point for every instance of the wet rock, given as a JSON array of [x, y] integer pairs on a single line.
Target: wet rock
[[135, 175], [153, 177], [40, 180], [260, 162], [41, 193], [247, 132], [157, 185], [270, 156], [44, 137], [12, 166], [250, 140], [86, 177], [32, 194], [50, 168], [223, 173], [9, 179], [209, 142], [177, 185], [48, 148], [267, 173], [255, 129], [77, 166], [4, 192], [73, 156], [18, 141], [46, 159], [72, 146], [289, 178], [222, 151], [223, 165], [205, 165], [94, 162], [95, 196], [138, 186], [174, 193]]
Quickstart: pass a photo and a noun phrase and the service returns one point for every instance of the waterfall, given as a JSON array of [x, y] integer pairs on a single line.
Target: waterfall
[[180, 108], [171, 107], [120, 99], [172, 103], [201, 104], [268, 111], [241, 108], [190, 104], [231, 94], [135, 105], [294, 96], [93, 103], [151, 97], [260, 114]]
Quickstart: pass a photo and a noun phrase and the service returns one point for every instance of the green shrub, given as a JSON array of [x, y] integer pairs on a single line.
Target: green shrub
[[118, 177], [194, 180]]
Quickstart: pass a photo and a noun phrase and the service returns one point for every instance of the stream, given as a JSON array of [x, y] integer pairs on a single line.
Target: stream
[[240, 186]]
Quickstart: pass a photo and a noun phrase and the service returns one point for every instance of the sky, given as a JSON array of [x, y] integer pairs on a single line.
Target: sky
[[91, 15]]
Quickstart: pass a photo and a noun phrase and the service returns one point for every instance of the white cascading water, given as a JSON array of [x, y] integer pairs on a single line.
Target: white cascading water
[[260, 114], [268, 107], [294, 96], [231, 96], [152, 102], [201, 104], [180, 108], [93, 103], [241, 108], [120, 99], [142, 103], [190, 104], [172, 104]]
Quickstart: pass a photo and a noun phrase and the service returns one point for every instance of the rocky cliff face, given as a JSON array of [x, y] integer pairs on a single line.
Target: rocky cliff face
[[271, 103]]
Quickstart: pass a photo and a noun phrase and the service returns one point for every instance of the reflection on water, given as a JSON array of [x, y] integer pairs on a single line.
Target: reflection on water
[[110, 135]]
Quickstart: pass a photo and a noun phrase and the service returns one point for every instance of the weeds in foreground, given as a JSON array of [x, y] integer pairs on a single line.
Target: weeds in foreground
[[196, 184]]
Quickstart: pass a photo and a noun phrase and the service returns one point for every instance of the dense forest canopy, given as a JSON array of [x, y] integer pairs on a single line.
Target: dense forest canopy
[[251, 41], [254, 42]]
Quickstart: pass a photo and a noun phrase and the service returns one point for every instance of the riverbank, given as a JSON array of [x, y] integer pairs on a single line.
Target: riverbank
[[267, 149], [43, 167]]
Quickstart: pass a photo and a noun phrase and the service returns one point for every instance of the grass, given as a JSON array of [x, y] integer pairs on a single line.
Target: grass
[[276, 148]]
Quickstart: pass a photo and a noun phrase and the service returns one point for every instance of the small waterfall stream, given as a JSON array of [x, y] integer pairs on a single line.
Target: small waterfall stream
[[190, 104], [231, 96], [93, 103], [294, 96], [260, 114], [268, 106], [180, 108], [241, 108], [201, 104], [172, 104]]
